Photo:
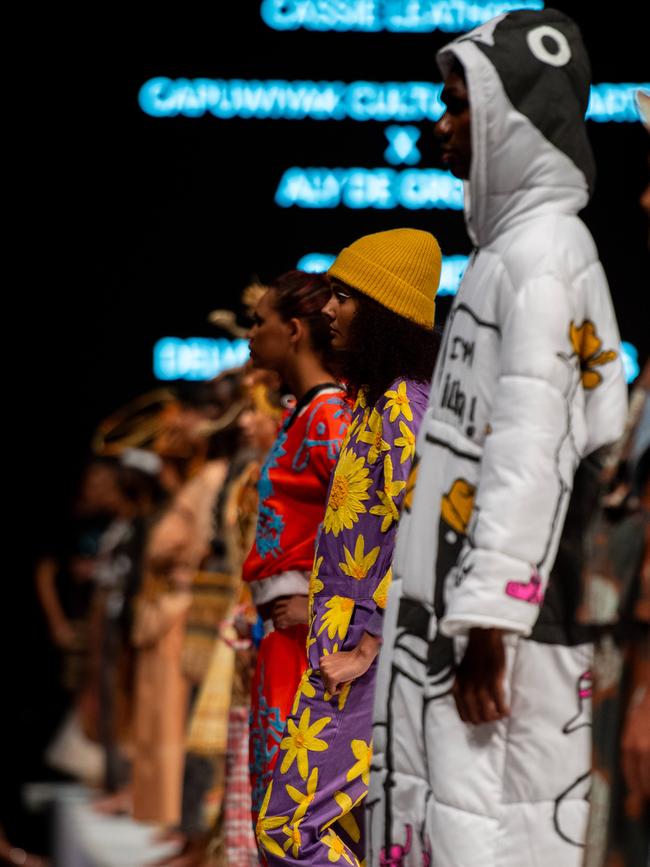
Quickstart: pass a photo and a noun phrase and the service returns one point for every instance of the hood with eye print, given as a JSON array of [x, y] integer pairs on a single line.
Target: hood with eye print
[[528, 78]]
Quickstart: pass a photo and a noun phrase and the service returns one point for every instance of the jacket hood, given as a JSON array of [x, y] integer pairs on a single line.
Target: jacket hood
[[528, 77]]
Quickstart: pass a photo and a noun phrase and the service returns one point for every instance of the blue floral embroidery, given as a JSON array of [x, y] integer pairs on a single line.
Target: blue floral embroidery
[[266, 725], [270, 524], [301, 460]]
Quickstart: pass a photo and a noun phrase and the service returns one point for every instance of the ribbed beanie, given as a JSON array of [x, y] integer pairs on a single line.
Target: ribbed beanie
[[399, 268]]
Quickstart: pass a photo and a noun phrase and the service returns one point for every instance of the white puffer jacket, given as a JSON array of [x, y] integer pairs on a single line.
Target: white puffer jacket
[[529, 380]]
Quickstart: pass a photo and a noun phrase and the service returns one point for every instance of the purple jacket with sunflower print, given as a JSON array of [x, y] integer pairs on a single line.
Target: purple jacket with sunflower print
[[352, 568]]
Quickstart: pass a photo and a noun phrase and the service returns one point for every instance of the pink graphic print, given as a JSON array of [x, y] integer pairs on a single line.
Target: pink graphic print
[[394, 856], [531, 592], [583, 716]]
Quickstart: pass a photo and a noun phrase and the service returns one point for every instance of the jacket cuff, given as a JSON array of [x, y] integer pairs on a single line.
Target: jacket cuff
[[375, 625], [489, 589]]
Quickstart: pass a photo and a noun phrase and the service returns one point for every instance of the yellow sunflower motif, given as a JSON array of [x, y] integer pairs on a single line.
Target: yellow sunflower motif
[[406, 442], [410, 484], [315, 584], [268, 823], [361, 400], [305, 800], [294, 839], [304, 688], [337, 618], [388, 509], [457, 505], [399, 403], [363, 753], [356, 423], [373, 436], [587, 345], [380, 596], [349, 488], [343, 695], [301, 741], [358, 566], [345, 818], [336, 848]]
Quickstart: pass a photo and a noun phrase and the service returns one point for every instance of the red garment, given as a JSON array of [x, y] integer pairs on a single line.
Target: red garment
[[293, 484], [292, 490], [281, 662]]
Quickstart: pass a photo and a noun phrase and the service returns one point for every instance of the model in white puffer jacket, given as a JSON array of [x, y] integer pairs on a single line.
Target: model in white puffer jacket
[[528, 388]]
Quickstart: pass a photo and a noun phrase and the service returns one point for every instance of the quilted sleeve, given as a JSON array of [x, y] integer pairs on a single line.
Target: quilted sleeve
[[537, 435]]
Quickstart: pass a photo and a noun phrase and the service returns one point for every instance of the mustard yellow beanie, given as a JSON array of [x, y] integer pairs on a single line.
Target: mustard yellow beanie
[[399, 268]]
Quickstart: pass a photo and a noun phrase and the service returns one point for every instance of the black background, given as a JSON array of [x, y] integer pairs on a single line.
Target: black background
[[134, 228], [150, 223]]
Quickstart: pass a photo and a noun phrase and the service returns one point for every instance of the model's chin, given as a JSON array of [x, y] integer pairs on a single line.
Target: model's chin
[[337, 341], [458, 171]]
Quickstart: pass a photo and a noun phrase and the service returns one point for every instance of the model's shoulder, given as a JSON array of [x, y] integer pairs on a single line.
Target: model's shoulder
[[401, 398], [328, 415], [331, 403], [557, 245]]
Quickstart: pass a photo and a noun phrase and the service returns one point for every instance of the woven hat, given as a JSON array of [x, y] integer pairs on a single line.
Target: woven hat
[[399, 268]]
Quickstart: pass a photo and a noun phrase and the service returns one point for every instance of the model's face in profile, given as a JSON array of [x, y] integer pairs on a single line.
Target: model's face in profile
[[341, 310], [269, 336], [453, 128]]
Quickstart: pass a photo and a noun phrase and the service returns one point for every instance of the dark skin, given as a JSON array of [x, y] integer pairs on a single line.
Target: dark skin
[[284, 346], [478, 689], [453, 128]]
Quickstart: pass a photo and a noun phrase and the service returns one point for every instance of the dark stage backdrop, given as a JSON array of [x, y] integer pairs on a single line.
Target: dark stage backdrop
[[148, 223]]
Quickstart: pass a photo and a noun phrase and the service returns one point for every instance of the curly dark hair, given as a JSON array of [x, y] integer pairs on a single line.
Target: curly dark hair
[[385, 346], [303, 295]]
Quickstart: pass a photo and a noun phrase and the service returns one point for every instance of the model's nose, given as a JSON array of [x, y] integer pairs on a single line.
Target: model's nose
[[442, 128], [328, 309]]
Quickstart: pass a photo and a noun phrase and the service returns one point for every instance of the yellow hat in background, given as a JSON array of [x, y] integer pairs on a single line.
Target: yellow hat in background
[[399, 268]]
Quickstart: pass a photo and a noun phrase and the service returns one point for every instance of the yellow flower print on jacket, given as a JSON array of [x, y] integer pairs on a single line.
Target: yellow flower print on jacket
[[388, 510], [337, 618], [304, 688], [336, 848], [398, 403], [305, 800], [301, 741], [410, 484], [360, 401], [380, 596], [587, 344], [346, 817], [315, 584], [348, 491], [358, 566], [294, 839], [269, 823], [363, 754], [406, 442], [373, 436]]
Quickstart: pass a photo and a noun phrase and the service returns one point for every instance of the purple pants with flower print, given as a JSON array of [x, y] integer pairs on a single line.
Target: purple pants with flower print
[[313, 809]]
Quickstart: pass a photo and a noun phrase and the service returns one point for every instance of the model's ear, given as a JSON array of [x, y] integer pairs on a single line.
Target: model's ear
[[296, 330]]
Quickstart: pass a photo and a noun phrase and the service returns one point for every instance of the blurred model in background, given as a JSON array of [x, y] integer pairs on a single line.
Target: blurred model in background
[[291, 337]]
